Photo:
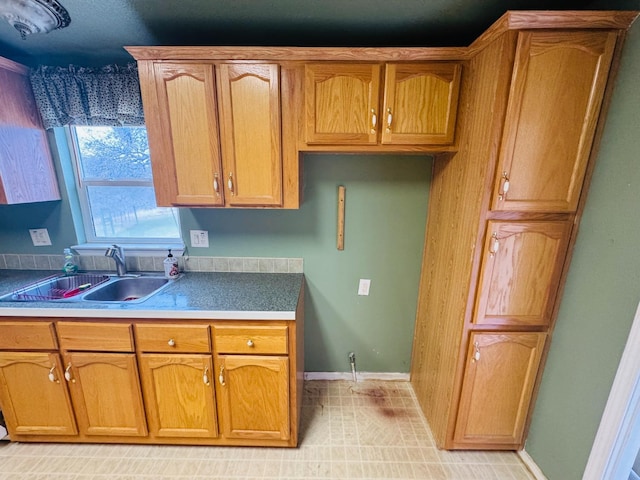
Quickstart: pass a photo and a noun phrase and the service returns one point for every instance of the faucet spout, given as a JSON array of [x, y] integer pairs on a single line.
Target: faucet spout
[[117, 253]]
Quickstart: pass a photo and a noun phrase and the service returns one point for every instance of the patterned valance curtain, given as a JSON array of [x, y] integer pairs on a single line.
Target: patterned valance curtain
[[107, 96]]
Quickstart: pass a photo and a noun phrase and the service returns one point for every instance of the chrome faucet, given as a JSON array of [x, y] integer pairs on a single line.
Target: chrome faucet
[[117, 253]]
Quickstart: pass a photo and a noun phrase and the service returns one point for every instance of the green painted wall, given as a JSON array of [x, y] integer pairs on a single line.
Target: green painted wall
[[386, 209], [601, 295]]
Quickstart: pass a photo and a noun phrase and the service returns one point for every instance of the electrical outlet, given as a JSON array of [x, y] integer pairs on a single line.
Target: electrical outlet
[[40, 237], [363, 287], [199, 238]]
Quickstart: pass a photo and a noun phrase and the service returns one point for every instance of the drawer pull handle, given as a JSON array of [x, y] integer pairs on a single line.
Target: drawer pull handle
[[205, 376], [216, 186], [52, 375], [389, 119], [505, 186], [374, 120], [230, 183], [221, 376], [250, 343], [172, 342], [67, 374]]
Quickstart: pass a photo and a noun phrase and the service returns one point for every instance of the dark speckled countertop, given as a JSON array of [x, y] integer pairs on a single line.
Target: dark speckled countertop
[[215, 295]]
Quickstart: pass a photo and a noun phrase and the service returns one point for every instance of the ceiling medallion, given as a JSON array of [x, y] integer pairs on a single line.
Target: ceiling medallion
[[34, 16]]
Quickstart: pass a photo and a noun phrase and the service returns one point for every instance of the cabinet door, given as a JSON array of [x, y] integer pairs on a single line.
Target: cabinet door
[[250, 134], [520, 272], [500, 373], [420, 103], [556, 93], [342, 103], [26, 168], [34, 400], [179, 395], [106, 393], [183, 136], [254, 396]]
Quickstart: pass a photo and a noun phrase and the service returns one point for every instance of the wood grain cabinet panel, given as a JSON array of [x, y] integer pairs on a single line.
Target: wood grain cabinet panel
[[106, 394], [179, 395], [500, 373], [34, 396], [253, 395], [346, 104], [557, 89], [214, 133], [521, 267], [27, 174]]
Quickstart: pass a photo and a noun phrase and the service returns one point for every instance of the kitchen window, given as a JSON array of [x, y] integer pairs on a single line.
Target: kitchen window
[[115, 187]]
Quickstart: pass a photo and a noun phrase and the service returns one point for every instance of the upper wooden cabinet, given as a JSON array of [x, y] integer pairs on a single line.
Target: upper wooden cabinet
[[214, 143], [26, 168], [556, 92], [344, 105]]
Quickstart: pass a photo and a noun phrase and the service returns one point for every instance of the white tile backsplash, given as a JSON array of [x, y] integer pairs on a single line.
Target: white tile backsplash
[[154, 264]]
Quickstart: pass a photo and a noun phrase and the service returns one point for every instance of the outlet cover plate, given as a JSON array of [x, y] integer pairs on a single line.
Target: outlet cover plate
[[199, 238], [40, 237], [363, 286]]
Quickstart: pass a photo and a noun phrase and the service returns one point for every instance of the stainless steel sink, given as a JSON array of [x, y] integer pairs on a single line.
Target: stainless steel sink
[[128, 289], [56, 288], [84, 287]]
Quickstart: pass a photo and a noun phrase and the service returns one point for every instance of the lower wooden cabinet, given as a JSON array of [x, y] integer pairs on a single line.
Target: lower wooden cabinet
[[179, 394], [192, 382], [254, 399], [106, 393], [33, 394], [500, 373]]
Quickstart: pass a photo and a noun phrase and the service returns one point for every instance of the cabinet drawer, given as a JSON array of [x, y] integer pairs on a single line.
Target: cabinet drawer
[[95, 337], [173, 338], [246, 340], [27, 336]]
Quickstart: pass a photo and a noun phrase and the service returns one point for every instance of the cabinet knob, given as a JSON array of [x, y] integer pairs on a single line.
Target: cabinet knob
[[52, 375], [216, 185], [476, 352], [505, 186], [250, 343], [230, 183], [495, 244], [171, 342], [67, 374]]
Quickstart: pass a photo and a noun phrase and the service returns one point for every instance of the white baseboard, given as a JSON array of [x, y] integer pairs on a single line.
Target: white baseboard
[[531, 465], [360, 376]]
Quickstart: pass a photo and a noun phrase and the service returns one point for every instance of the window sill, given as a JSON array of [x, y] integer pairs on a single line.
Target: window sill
[[133, 249]]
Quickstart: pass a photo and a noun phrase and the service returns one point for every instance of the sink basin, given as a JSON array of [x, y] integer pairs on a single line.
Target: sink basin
[[56, 288], [130, 289]]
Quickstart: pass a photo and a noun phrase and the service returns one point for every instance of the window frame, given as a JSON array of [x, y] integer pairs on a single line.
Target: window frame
[[82, 185]]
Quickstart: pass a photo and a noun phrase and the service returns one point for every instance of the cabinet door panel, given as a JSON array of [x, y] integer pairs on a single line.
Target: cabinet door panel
[[33, 394], [250, 134], [106, 393], [254, 394], [498, 382], [554, 103], [420, 103], [184, 136], [341, 103], [179, 395], [520, 272]]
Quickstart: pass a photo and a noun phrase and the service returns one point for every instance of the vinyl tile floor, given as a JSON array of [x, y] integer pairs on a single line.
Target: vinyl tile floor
[[363, 430]]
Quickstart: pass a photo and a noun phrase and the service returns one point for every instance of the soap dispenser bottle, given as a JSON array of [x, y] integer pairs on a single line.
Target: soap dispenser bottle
[[171, 269], [69, 267]]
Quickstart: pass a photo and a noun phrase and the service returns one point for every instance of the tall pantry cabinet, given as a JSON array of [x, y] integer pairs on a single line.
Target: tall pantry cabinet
[[503, 217]]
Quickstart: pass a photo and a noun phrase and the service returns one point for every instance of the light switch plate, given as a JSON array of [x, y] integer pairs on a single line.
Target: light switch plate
[[199, 238], [40, 237], [363, 287]]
